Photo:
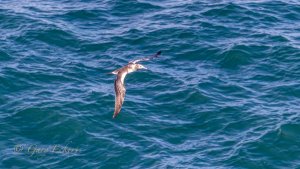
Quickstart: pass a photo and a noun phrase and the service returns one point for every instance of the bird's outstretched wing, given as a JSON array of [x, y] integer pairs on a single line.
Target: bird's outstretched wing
[[120, 94], [146, 58]]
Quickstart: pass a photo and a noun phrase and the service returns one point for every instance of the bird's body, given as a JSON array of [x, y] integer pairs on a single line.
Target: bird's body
[[119, 81], [120, 86]]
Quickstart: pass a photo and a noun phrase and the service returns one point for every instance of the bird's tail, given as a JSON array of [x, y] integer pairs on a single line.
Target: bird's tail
[[115, 72]]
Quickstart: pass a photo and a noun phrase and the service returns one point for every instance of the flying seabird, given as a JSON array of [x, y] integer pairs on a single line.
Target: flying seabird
[[119, 81]]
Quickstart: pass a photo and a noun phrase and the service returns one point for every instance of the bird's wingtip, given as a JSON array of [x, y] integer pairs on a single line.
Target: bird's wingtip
[[114, 116]]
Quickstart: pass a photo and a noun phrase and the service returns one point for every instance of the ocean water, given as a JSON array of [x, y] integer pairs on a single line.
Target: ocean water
[[225, 92]]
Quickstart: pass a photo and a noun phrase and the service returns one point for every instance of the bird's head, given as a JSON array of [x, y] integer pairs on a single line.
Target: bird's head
[[139, 66]]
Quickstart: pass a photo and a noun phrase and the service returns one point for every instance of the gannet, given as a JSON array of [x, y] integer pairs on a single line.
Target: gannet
[[121, 73]]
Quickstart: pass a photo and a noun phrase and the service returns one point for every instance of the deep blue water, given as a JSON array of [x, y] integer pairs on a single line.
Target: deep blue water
[[224, 94]]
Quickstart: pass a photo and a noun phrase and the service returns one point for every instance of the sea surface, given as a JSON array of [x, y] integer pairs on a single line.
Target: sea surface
[[225, 93]]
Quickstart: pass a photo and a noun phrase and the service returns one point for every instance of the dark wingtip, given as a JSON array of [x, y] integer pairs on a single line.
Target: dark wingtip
[[157, 54]]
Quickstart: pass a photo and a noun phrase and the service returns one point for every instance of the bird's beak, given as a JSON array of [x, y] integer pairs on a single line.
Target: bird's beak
[[143, 67]]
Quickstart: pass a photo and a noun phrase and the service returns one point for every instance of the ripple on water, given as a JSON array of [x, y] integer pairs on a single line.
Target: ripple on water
[[4, 56], [234, 58]]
